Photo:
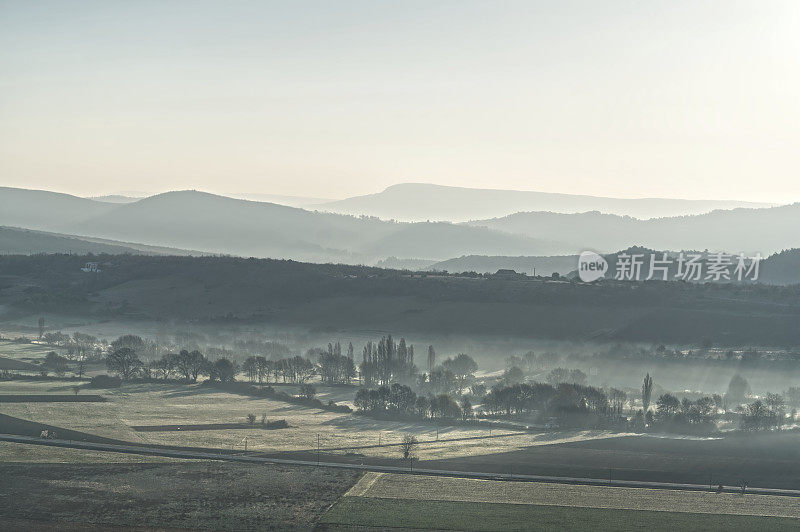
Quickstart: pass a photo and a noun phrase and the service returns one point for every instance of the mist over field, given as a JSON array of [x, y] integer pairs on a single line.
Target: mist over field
[[414, 265], [652, 343]]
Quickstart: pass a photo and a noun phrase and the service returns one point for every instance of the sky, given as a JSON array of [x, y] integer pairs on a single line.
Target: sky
[[686, 99]]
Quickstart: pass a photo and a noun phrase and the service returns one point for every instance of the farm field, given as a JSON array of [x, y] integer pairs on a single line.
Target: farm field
[[25, 352], [14, 453], [16, 365], [43, 387], [150, 404], [764, 460], [411, 501], [494, 517], [201, 416], [422, 487], [175, 495]]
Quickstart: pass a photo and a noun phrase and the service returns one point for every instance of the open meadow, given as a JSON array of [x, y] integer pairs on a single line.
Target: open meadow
[[414, 501], [175, 495], [129, 410], [205, 417], [25, 352]]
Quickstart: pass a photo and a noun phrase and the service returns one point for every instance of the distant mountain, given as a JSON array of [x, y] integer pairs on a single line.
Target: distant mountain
[[420, 202], [290, 201], [48, 211], [218, 224], [739, 230], [16, 241], [197, 220], [192, 220]]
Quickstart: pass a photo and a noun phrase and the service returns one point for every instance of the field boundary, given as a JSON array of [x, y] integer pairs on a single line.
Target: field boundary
[[364, 484], [205, 455], [475, 491], [384, 514], [51, 398]]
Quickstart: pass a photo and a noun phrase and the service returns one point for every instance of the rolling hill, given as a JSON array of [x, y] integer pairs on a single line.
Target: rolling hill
[[357, 298], [192, 220], [218, 224], [16, 241], [766, 230], [421, 202], [47, 211]]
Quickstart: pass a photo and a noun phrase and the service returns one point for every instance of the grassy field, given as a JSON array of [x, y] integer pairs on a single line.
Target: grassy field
[[416, 487], [12, 453], [491, 517], [418, 502], [16, 365], [96, 488], [170, 404], [25, 352], [763, 460], [196, 495]]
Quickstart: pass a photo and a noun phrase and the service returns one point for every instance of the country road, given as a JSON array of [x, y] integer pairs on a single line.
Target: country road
[[251, 458]]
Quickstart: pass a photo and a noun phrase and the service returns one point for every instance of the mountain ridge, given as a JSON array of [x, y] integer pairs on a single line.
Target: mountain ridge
[[461, 204], [216, 224]]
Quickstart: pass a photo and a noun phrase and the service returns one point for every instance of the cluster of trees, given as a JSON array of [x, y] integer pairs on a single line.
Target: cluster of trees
[[764, 415], [387, 362], [186, 365], [520, 367], [451, 377], [672, 413], [294, 369], [79, 349], [336, 368], [399, 400], [570, 403], [55, 363], [701, 414], [383, 362]]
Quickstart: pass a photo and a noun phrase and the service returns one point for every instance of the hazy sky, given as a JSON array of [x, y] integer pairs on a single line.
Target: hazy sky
[[335, 98]]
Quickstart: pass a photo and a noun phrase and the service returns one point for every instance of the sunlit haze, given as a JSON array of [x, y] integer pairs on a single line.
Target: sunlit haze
[[333, 99]]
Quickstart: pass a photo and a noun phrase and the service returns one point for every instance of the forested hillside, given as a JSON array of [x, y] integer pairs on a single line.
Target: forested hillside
[[354, 297]]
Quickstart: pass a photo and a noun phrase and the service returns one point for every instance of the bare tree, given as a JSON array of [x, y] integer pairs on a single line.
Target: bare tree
[[408, 446]]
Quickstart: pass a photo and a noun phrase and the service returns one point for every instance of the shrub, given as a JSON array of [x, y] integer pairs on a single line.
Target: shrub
[[251, 419], [308, 391], [105, 381]]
